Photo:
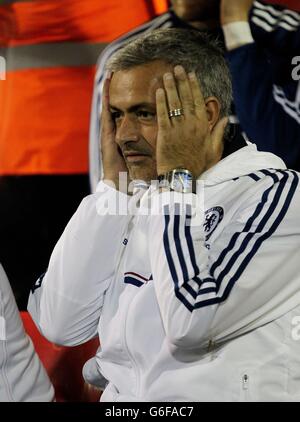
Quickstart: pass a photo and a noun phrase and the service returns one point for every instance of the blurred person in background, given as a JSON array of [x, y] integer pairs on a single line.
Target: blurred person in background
[[263, 43]]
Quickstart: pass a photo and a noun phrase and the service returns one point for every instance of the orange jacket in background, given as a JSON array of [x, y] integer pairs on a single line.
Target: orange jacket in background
[[51, 47]]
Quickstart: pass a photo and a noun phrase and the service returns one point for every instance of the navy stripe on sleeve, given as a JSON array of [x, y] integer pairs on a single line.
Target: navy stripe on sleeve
[[134, 281], [258, 210], [178, 244], [167, 246]]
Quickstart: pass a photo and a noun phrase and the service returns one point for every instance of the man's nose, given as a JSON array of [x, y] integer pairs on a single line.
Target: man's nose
[[127, 131]]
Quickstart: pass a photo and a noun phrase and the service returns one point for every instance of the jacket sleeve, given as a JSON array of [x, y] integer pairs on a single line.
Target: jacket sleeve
[[265, 83], [273, 125], [66, 304], [248, 277], [276, 28], [22, 375]]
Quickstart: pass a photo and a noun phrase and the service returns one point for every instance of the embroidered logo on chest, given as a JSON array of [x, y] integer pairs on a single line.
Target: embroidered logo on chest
[[213, 217]]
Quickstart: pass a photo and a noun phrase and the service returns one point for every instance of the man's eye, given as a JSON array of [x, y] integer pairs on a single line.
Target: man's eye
[[144, 114], [115, 115]]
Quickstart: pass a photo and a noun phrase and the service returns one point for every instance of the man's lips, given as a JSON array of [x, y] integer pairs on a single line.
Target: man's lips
[[135, 156]]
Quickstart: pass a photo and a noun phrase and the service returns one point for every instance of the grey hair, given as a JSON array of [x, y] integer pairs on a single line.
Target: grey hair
[[192, 49]]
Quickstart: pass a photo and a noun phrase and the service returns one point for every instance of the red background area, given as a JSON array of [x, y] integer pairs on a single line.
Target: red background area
[[291, 4], [64, 365]]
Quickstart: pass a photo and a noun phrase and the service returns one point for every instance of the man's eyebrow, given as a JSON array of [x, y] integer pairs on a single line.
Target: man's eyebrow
[[135, 107]]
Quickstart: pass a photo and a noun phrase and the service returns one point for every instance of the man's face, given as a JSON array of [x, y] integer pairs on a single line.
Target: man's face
[[196, 10], [133, 107]]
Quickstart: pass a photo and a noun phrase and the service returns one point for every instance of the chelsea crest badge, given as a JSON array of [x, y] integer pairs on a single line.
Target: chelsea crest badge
[[213, 217]]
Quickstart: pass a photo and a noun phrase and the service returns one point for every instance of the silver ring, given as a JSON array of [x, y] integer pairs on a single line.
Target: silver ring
[[176, 112]]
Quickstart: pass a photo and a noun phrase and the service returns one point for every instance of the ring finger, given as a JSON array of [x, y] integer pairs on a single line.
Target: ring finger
[[174, 102]]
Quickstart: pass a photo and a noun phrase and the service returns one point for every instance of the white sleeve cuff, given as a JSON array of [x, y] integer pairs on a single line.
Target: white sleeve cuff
[[237, 34]]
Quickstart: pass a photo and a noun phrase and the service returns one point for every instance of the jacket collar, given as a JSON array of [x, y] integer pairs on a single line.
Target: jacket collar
[[244, 161]]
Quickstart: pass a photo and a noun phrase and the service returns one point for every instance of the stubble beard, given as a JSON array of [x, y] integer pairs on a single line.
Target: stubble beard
[[142, 172]]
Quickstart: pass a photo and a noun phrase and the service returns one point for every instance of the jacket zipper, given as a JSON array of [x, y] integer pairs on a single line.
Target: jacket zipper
[[131, 359], [130, 356], [245, 383]]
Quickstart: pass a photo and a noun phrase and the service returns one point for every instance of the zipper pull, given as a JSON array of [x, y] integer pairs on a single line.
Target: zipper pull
[[245, 382], [210, 345]]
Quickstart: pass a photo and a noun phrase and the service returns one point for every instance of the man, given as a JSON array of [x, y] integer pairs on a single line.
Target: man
[[22, 376], [193, 294], [203, 15]]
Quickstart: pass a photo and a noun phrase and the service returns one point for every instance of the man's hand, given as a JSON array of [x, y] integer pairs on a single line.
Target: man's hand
[[185, 141], [235, 11], [113, 161]]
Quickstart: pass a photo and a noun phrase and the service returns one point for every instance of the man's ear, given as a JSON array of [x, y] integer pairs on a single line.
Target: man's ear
[[213, 108]]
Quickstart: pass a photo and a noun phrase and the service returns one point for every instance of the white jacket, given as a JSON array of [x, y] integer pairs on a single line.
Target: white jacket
[[200, 312], [22, 375]]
